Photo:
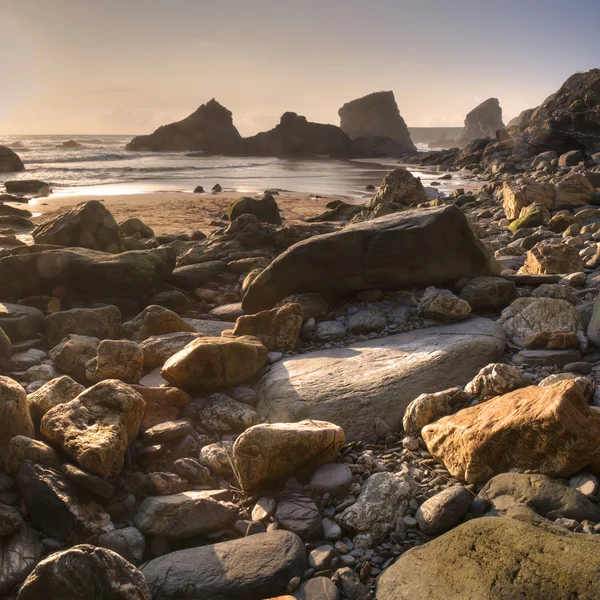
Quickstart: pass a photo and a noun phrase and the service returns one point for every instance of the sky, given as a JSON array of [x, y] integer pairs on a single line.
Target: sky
[[128, 66]]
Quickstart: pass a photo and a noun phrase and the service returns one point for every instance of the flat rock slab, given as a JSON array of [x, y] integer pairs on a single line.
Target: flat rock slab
[[251, 568], [377, 378]]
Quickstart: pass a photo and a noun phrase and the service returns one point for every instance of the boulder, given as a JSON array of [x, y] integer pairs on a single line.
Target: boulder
[[413, 248], [184, 515], [517, 195], [116, 359], [401, 187], [382, 501], [551, 259], [133, 226], [189, 277], [386, 374], [208, 128], [495, 379], [209, 364], [550, 430], [158, 349], [14, 414], [21, 448], [377, 115], [96, 427], [85, 572], [27, 186], [442, 305], [278, 328], [267, 453], [102, 323], [297, 513], [10, 161], [87, 225], [85, 273], [20, 322], [548, 497], [128, 542], [73, 353], [55, 509], [54, 392], [489, 293], [568, 119], [496, 557], [528, 316], [483, 121], [573, 191], [264, 209], [162, 404], [253, 568], [155, 320], [443, 511]]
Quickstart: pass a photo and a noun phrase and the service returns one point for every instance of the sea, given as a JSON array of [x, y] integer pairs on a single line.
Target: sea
[[99, 164]]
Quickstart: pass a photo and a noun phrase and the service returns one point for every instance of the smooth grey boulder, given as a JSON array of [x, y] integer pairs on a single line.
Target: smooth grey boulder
[[251, 568], [20, 322], [418, 248], [444, 510], [377, 378]]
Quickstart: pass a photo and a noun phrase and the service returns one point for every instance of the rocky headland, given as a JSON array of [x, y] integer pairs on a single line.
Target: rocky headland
[[393, 400]]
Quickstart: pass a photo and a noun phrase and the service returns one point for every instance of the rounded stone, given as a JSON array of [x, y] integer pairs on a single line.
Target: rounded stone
[[333, 478]]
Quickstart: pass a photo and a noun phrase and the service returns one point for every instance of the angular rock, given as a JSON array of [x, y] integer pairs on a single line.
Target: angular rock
[[155, 320], [129, 542], [400, 187], [183, 515], [14, 414], [97, 426], [20, 322], [73, 353], [54, 392], [443, 511], [253, 568], [489, 293], [428, 408], [102, 323], [495, 379], [442, 305], [412, 248], [550, 430], [266, 453], [551, 259], [573, 191], [87, 225], [209, 364], [300, 515], [85, 572], [162, 404], [189, 277], [517, 196], [22, 448], [386, 374], [116, 359], [220, 414]]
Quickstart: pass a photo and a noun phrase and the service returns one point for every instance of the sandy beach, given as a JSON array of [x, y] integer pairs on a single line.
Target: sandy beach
[[179, 212]]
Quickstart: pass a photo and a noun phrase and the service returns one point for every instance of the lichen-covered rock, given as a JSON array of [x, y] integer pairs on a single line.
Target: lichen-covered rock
[[278, 328], [527, 316], [266, 453], [85, 572], [102, 323], [14, 414], [54, 392], [116, 359], [550, 259], [96, 427], [209, 364], [443, 305], [551, 430], [428, 408], [401, 187], [155, 320], [73, 353], [517, 196], [495, 379]]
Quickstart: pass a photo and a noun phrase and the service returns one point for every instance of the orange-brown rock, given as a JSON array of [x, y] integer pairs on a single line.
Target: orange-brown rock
[[162, 404], [278, 328], [551, 340], [551, 430], [552, 259]]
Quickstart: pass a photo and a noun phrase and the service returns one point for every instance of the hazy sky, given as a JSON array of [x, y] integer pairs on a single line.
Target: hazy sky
[[128, 66]]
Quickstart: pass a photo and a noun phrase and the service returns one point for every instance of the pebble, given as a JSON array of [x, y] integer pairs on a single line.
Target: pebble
[[331, 531], [586, 483], [320, 558], [263, 508]]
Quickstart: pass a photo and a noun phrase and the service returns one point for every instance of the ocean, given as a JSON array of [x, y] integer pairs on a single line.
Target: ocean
[[101, 165]]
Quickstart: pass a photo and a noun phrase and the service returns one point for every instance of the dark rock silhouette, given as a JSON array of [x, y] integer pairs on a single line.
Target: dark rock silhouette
[[10, 161]]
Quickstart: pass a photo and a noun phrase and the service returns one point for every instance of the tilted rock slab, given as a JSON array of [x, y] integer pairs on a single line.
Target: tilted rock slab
[[251, 568], [377, 378], [266, 453], [14, 414], [413, 248], [497, 558], [96, 427], [551, 430]]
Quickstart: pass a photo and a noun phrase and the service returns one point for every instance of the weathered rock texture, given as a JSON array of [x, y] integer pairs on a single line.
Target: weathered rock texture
[[412, 248], [10, 161], [483, 121], [375, 115], [377, 378]]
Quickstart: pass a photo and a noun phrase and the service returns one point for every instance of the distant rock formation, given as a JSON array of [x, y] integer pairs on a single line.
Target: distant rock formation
[[209, 128], [520, 122], [428, 135], [376, 115], [570, 118], [295, 136], [482, 122], [10, 161]]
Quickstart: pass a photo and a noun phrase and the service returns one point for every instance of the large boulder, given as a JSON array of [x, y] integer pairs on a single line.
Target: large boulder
[[569, 119], [399, 186], [377, 115], [386, 374], [264, 209], [518, 195], [96, 427], [85, 273], [266, 453], [10, 161], [20, 322], [550, 430], [413, 248], [252, 568], [102, 323], [295, 136], [208, 128], [85, 572], [497, 558], [209, 364], [573, 191], [14, 414], [87, 225], [552, 259], [156, 320]]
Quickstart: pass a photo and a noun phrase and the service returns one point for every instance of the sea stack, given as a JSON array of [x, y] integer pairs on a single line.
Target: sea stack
[[483, 121], [375, 115], [209, 128]]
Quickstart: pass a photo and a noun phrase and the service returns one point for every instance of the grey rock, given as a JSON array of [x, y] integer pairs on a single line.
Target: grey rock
[[20, 322], [329, 331], [129, 542], [318, 588], [443, 511], [366, 321], [300, 515], [334, 479]]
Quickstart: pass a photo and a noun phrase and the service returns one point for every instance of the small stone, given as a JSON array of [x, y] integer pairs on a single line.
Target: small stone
[[263, 508], [331, 531], [333, 478], [586, 483], [320, 558], [410, 521]]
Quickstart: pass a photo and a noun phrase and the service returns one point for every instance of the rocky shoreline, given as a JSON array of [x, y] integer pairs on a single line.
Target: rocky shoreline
[[393, 400]]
